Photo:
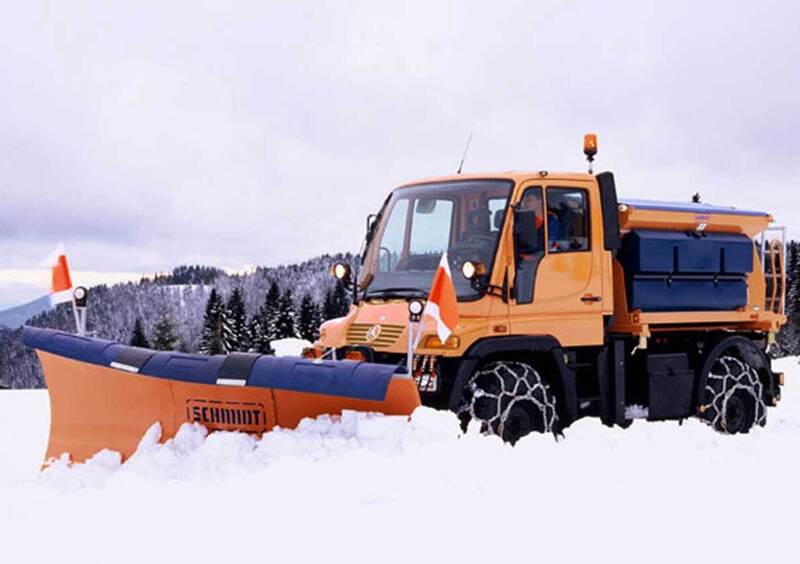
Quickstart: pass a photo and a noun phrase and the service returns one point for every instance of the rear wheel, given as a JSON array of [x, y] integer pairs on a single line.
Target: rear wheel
[[734, 397], [510, 399]]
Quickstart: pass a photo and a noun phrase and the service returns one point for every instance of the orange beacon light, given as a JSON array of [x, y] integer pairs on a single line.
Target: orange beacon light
[[590, 148]]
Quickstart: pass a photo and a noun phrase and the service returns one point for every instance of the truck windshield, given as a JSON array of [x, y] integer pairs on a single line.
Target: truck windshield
[[421, 222]]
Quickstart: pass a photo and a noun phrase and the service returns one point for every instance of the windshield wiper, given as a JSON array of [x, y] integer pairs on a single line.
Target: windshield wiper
[[397, 293]]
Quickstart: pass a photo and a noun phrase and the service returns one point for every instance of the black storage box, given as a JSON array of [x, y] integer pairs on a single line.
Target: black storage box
[[670, 385], [686, 271]]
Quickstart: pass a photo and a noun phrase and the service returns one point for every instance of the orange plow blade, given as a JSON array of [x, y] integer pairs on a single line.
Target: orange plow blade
[[104, 395]]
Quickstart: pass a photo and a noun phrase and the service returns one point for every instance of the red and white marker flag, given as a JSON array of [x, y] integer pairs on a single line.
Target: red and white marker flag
[[442, 304], [61, 285]]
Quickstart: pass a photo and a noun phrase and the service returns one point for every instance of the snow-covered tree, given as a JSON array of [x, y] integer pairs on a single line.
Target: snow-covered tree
[[3, 384], [309, 319], [789, 336], [337, 302], [164, 338], [269, 312], [318, 319], [239, 338], [215, 326], [138, 338], [287, 324], [264, 325], [190, 274], [258, 337]]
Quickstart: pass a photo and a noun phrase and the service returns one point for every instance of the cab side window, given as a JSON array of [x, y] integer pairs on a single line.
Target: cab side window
[[567, 220]]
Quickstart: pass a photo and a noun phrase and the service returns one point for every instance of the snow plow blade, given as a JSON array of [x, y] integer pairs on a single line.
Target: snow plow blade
[[104, 395]]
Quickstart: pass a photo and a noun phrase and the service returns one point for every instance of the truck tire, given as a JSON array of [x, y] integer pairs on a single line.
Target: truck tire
[[733, 397], [510, 399]]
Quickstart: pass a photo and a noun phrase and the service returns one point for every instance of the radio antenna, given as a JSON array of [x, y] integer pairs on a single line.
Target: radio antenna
[[464, 156]]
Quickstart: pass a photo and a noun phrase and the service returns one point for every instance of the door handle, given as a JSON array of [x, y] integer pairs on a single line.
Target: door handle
[[591, 299]]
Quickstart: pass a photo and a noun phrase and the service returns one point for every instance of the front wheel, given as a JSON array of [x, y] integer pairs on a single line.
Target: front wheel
[[510, 399]]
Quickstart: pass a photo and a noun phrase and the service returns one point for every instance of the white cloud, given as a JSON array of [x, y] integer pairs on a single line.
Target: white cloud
[[40, 278], [260, 133]]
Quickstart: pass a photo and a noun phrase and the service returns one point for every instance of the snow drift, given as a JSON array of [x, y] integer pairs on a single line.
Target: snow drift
[[371, 488]]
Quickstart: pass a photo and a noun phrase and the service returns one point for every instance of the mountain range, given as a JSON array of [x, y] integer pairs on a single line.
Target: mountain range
[[15, 316]]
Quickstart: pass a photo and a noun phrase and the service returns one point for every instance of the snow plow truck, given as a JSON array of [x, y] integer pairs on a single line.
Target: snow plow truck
[[571, 303]]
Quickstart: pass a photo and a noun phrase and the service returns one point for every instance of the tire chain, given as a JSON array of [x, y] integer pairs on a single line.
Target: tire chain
[[545, 403], [736, 375]]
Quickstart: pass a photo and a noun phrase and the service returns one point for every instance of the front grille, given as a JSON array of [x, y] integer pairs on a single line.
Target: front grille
[[357, 335]]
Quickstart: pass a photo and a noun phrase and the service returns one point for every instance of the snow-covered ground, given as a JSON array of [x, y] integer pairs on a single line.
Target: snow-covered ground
[[384, 489]]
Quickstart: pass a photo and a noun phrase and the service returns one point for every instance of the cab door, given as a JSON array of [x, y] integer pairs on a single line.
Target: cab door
[[558, 286]]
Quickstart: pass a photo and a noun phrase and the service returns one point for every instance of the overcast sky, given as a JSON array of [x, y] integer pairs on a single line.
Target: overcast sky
[[236, 134]]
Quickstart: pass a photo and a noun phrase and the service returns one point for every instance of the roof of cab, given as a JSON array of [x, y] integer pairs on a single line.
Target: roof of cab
[[515, 175], [523, 175]]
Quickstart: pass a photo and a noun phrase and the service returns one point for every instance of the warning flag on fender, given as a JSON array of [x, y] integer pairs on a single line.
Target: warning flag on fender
[[442, 304], [61, 285]]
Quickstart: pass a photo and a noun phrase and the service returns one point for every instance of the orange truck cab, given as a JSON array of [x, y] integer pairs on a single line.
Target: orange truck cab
[[573, 303]]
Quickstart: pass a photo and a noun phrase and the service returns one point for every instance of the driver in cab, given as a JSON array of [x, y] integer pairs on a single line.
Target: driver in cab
[[532, 201]]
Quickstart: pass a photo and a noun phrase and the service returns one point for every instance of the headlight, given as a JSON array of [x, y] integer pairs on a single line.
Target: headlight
[[472, 270], [415, 307], [340, 271], [80, 294]]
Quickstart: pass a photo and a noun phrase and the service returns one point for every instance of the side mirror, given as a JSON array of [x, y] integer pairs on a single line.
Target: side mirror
[[526, 239], [371, 222]]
